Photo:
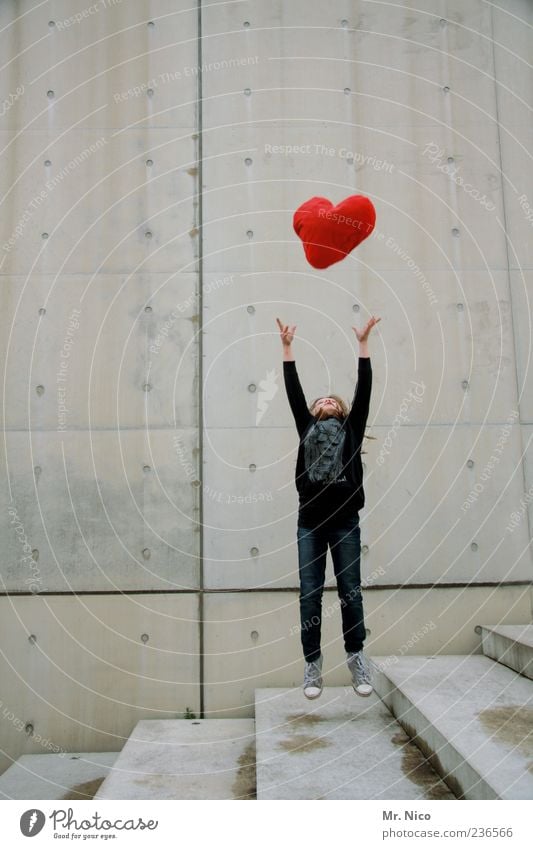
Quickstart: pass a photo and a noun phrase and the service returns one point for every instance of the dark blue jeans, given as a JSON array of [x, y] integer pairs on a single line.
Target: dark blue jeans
[[345, 546]]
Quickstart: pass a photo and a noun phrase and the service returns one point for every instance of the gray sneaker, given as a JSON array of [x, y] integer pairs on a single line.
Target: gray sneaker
[[360, 669], [313, 678]]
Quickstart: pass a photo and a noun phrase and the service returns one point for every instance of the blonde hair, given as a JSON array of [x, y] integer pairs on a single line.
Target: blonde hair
[[344, 410], [340, 401]]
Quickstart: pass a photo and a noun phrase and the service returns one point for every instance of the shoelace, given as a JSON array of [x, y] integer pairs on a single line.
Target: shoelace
[[312, 673], [358, 661]]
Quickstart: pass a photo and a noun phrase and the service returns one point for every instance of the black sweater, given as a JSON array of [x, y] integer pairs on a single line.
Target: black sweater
[[338, 500]]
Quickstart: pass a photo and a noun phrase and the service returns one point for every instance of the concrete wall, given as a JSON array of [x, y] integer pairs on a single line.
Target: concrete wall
[[150, 229]]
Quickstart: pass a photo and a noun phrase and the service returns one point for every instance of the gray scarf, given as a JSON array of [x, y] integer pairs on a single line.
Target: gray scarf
[[323, 450]]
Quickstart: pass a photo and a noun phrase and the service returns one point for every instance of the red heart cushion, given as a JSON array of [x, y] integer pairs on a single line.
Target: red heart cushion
[[330, 232]]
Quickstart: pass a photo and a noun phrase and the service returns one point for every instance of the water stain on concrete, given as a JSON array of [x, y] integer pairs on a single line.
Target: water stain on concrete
[[417, 769], [244, 786], [299, 743], [297, 719], [192, 171], [433, 760], [85, 790], [510, 724]]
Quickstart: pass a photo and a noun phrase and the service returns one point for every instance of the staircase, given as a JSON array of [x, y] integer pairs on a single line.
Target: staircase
[[471, 715], [442, 727]]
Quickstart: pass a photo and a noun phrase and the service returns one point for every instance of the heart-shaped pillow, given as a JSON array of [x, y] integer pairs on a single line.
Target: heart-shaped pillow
[[330, 232]]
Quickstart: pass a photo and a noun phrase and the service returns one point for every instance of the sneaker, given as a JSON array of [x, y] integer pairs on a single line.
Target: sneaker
[[358, 666], [313, 679]]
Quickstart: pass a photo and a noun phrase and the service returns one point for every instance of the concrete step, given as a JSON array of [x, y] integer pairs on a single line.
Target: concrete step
[[509, 644], [185, 759], [470, 716], [69, 775], [339, 746]]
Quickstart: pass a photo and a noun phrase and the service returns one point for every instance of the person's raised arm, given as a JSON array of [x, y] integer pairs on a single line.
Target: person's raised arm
[[295, 393], [358, 415]]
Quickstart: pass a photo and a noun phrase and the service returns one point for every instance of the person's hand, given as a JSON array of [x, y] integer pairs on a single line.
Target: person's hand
[[362, 335], [286, 333]]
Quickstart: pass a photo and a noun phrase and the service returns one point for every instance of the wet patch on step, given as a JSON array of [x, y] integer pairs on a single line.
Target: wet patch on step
[[301, 743], [417, 769], [244, 786], [85, 790], [298, 719], [510, 724]]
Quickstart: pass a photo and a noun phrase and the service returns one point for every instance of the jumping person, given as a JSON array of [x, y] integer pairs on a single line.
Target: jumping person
[[329, 481]]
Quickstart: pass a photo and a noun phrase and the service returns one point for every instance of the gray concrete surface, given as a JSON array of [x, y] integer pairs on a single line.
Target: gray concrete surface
[[161, 428], [339, 746], [511, 645], [470, 715], [185, 759], [69, 775]]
